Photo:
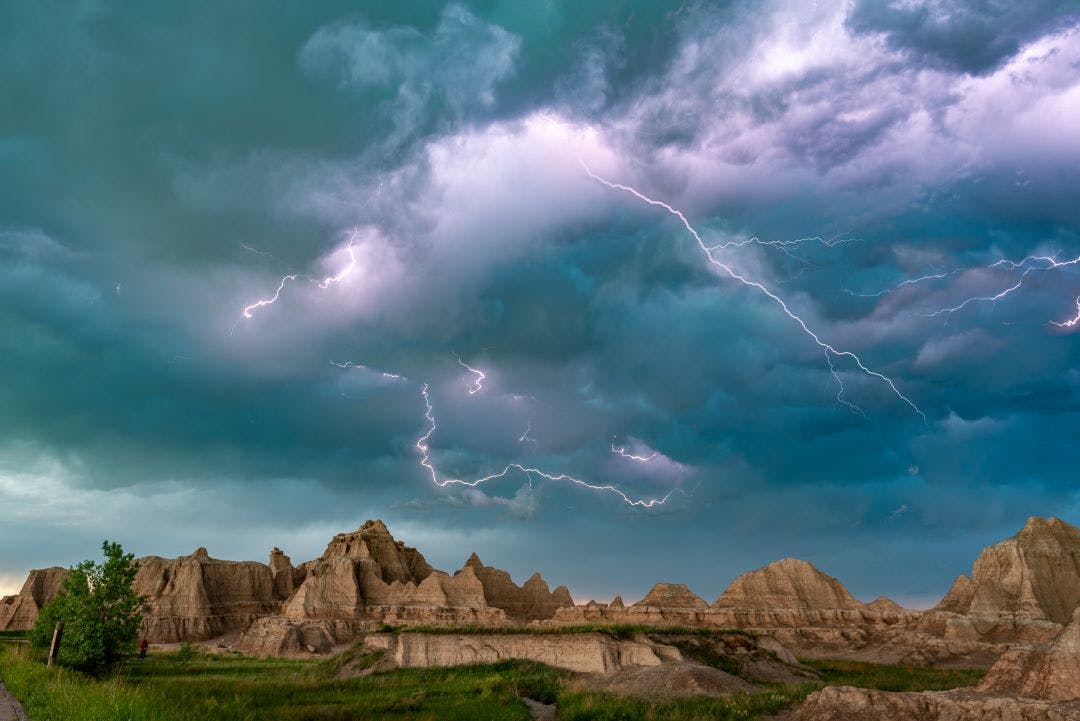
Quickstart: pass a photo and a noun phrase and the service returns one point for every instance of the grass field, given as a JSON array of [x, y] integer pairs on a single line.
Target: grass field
[[189, 686]]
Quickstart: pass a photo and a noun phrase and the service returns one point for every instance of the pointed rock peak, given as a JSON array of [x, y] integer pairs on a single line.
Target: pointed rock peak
[[617, 602], [885, 605], [535, 580], [561, 595], [672, 595], [201, 552], [1037, 529], [374, 527], [474, 561]]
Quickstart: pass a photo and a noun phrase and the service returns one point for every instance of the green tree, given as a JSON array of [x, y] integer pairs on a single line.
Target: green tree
[[100, 610]]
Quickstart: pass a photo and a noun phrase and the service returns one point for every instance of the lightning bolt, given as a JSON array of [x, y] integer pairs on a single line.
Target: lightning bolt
[[477, 383], [898, 286], [1026, 263], [621, 451], [423, 447], [1072, 322], [250, 309], [731, 273]]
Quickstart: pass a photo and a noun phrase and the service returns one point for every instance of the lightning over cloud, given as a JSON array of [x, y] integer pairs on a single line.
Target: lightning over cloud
[[477, 383], [731, 273]]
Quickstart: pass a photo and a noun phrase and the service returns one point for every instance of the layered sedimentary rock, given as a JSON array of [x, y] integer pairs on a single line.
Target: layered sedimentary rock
[[367, 575], [1022, 590], [18, 612], [1035, 575], [583, 652], [530, 602], [671, 596], [787, 584], [1023, 685], [861, 704], [197, 597], [1050, 671]]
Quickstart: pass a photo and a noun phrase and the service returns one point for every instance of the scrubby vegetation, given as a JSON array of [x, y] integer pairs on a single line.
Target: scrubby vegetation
[[893, 678], [192, 685]]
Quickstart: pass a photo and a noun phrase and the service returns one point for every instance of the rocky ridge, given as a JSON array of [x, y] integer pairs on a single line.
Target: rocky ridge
[[1018, 594]]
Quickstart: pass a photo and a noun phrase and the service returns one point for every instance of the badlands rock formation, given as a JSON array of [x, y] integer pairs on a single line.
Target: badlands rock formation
[[196, 597], [530, 602], [674, 596], [1023, 685], [583, 652], [1050, 671], [1023, 589], [17, 613], [786, 584], [1021, 593], [836, 703]]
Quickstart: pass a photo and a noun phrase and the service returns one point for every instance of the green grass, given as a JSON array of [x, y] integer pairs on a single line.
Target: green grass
[[742, 706], [198, 686], [13, 634], [167, 688], [893, 678]]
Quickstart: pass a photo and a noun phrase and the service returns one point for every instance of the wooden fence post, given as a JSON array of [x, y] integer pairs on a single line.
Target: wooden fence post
[[54, 647]]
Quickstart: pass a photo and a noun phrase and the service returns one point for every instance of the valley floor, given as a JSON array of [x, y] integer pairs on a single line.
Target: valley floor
[[189, 685]]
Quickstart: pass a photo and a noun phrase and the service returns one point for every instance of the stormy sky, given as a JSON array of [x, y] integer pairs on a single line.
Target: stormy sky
[[241, 242]]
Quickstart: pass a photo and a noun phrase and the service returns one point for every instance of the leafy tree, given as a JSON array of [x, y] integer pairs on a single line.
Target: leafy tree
[[100, 610]]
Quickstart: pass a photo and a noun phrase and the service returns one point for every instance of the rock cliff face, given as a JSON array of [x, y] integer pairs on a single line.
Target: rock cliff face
[[197, 597], [18, 612], [1033, 575], [582, 652], [1050, 671], [787, 584], [530, 602]]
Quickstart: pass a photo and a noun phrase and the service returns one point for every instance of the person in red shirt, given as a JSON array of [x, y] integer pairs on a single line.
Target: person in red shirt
[[143, 645]]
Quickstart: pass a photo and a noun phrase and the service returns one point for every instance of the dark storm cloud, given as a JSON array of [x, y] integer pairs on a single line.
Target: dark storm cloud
[[165, 167], [971, 36]]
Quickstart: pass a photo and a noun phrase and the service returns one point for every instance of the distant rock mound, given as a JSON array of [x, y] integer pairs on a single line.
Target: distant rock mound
[[531, 602], [196, 597], [786, 584], [671, 596], [1050, 671], [18, 612], [1033, 575]]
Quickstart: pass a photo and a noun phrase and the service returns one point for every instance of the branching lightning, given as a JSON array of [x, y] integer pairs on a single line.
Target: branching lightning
[[734, 275], [325, 283], [1072, 322], [1026, 264], [424, 449]]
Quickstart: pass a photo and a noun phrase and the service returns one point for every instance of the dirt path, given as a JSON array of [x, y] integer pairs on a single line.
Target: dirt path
[[540, 711], [10, 710]]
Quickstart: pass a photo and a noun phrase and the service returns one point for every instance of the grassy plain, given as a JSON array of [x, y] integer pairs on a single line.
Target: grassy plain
[[189, 685]]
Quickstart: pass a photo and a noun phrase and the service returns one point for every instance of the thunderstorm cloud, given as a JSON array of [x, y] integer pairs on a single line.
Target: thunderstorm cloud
[[407, 195]]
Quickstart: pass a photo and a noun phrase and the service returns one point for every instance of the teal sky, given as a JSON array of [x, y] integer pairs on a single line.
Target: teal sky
[[255, 256]]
